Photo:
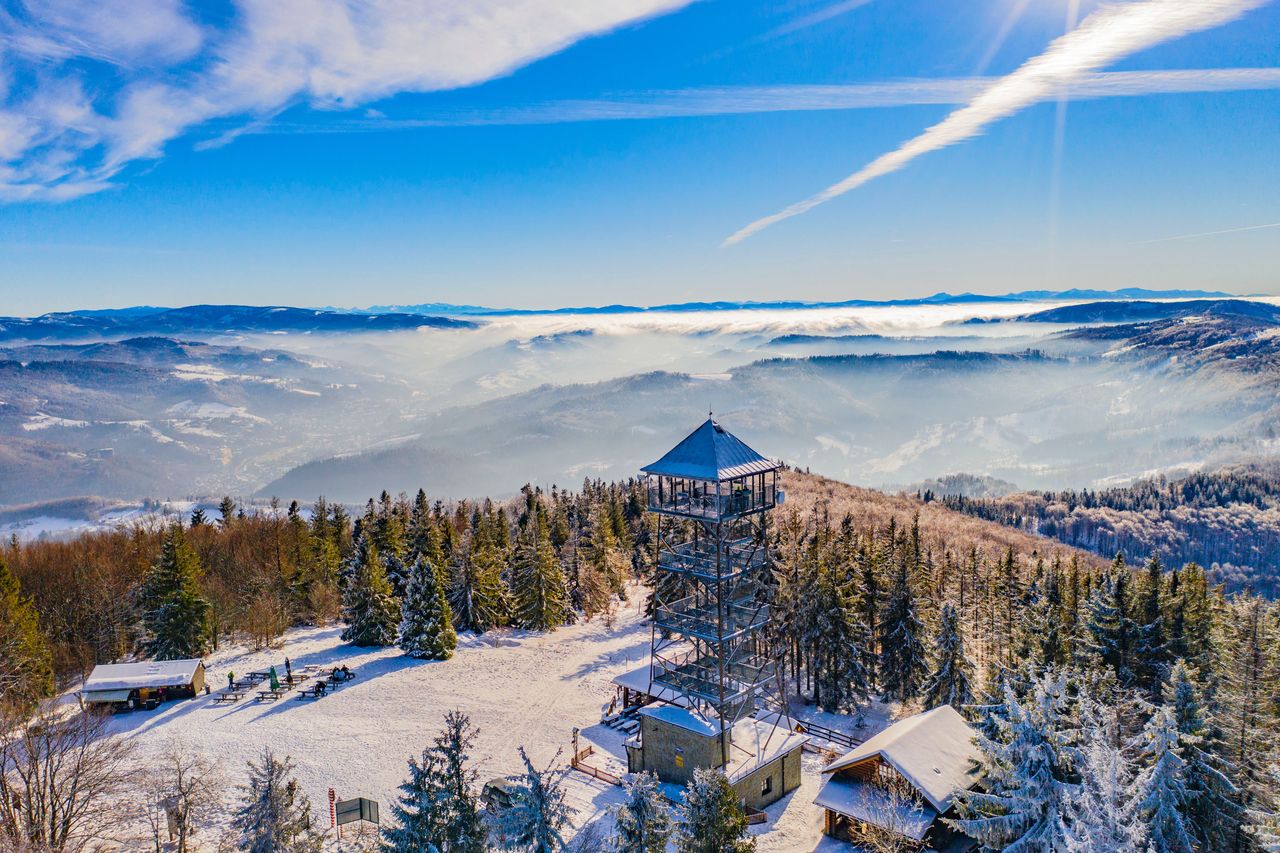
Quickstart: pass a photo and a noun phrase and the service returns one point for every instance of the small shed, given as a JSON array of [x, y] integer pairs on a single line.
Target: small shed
[[144, 684], [933, 753]]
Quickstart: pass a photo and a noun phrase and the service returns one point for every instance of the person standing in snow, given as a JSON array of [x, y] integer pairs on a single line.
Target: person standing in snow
[[288, 667], [231, 680]]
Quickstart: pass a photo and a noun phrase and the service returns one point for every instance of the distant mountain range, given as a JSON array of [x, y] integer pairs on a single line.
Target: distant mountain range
[[941, 298], [208, 320], [1143, 311]]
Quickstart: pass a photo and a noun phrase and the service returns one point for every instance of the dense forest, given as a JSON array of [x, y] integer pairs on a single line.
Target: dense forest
[[1228, 521], [1114, 701]]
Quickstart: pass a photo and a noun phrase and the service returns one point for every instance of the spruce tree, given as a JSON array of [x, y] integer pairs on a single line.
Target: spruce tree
[[1213, 809], [275, 815], [539, 593], [643, 823], [952, 678], [711, 818], [26, 664], [538, 814], [437, 809], [1105, 807], [368, 605], [1162, 786], [1028, 786], [426, 622], [1151, 646], [840, 643], [477, 594], [902, 656], [1110, 632], [175, 616]]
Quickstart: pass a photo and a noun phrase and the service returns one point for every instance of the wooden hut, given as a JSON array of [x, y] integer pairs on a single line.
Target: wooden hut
[[144, 684], [903, 781]]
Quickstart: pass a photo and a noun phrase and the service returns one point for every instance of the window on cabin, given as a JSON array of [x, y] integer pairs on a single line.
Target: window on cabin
[[767, 787]]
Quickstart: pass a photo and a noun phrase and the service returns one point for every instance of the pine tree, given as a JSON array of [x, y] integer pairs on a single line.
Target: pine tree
[[643, 823], [175, 617], [198, 518], [368, 605], [951, 681], [540, 596], [1029, 792], [902, 655], [1162, 786], [426, 622], [538, 813], [437, 809], [26, 664], [1212, 809], [711, 818], [226, 512], [275, 815], [1110, 633], [1105, 808]]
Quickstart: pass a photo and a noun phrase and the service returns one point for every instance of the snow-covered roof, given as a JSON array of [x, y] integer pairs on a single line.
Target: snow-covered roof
[[710, 452], [147, 673], [92, 696], [758, 742], [639, 679], [872, 804], [682, 717], [934, 751]]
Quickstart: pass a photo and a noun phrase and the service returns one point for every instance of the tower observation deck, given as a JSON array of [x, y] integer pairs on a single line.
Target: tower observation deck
[[712, 495]]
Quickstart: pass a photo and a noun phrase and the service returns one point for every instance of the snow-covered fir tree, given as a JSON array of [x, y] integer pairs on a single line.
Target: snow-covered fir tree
[[437, 809], [952, 677], [1213, 806], [1110, 633], [1105, 806], [711, 818], [426, 622], [275, 814], [175, 616], [369, 607], [903, 663], [1151, 647], [1162, 786], [539, 592], [538, 814], [643, 823], [1028, 769]]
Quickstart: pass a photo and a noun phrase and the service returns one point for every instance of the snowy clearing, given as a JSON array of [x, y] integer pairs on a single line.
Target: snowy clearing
[[518, 687]]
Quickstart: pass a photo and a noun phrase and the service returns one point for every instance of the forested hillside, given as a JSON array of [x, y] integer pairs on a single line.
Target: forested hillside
[[1146, 693], [1228, 521]]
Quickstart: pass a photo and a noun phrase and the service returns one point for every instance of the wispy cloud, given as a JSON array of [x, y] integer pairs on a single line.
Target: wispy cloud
[[1200, 234], [1106, 36], [741, 100], [90, 86]]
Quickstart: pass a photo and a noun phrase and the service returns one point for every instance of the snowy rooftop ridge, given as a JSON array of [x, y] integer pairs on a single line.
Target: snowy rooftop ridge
[[710, 452], [934, 751], [147, 673]]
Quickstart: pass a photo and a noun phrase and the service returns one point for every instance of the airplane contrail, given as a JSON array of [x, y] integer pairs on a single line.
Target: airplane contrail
[[1110, 33], [1213, 233]]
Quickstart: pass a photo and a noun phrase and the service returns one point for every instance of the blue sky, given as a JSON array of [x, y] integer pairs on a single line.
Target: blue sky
[[554, 152]]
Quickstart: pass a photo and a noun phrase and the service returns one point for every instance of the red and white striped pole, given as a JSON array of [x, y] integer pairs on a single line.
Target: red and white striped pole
[[333, 817]]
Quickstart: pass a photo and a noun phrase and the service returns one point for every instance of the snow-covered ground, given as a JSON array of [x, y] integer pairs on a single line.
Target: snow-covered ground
[[519, 689]]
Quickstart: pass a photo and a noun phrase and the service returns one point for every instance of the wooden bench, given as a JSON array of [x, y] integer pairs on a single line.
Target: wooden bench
[[269, 695]]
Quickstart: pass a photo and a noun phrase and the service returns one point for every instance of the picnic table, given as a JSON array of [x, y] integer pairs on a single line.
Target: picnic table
[[228, 696], [313, 692], [269, 695], [256, 677], [338, 676]]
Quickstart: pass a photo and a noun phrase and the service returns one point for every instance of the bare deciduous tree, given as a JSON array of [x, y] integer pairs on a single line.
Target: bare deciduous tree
[[183, 788], [62, 774], [892, 806]]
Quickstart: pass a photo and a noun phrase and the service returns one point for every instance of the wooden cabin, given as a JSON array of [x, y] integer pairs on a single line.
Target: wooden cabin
[[903, 781], [145, 684]]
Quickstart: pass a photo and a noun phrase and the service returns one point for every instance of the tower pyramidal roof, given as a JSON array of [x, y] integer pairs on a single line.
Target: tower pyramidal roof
[[710, 452]]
